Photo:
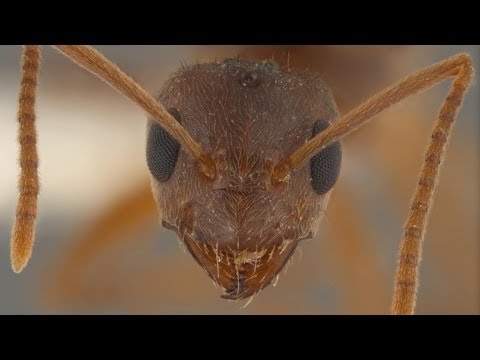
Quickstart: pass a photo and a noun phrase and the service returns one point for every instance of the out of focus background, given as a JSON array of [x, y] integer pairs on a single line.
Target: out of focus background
[[99, 250]]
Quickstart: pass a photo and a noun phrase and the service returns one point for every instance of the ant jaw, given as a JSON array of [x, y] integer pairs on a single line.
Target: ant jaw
[[242, 240], [240, 272]]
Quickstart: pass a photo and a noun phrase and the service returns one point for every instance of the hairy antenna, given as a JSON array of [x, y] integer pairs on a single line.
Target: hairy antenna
[[28, 185], [93, 61], [459, 66], [23, 232]]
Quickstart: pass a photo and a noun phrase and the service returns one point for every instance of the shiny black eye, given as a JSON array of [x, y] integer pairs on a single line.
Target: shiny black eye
[[162, 150], [325, 166]]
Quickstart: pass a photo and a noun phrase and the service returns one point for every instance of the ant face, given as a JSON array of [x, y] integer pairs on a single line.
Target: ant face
[[248, 116]]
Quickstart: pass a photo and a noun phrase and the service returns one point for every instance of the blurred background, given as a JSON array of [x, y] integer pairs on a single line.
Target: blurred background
[[99, 250]]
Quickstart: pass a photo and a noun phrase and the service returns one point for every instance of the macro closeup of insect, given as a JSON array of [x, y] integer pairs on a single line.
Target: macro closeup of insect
[[244, 153]]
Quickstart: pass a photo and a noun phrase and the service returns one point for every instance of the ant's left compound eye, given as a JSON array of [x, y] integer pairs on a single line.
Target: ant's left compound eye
[[162, 150], [325, 166]]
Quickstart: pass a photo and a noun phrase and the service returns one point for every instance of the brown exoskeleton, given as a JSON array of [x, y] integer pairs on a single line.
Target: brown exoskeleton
[[241, 226], [257, 168]]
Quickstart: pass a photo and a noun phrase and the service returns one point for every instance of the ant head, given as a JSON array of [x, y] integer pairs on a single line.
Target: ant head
[[239, 225]]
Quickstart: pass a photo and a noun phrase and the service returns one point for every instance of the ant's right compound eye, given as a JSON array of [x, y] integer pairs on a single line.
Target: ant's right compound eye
[[162, 150], [325, 166]]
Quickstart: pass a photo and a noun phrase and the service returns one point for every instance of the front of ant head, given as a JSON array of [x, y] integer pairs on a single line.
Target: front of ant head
[[241, 227]]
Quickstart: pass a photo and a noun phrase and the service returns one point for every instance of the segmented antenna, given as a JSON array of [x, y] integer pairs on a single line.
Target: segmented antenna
[[23, 233]]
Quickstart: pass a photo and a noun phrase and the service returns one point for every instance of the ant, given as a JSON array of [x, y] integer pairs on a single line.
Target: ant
[[240, 198]]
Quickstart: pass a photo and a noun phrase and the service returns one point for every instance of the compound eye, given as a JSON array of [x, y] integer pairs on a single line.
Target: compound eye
[[325, 166], [162, 150]]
